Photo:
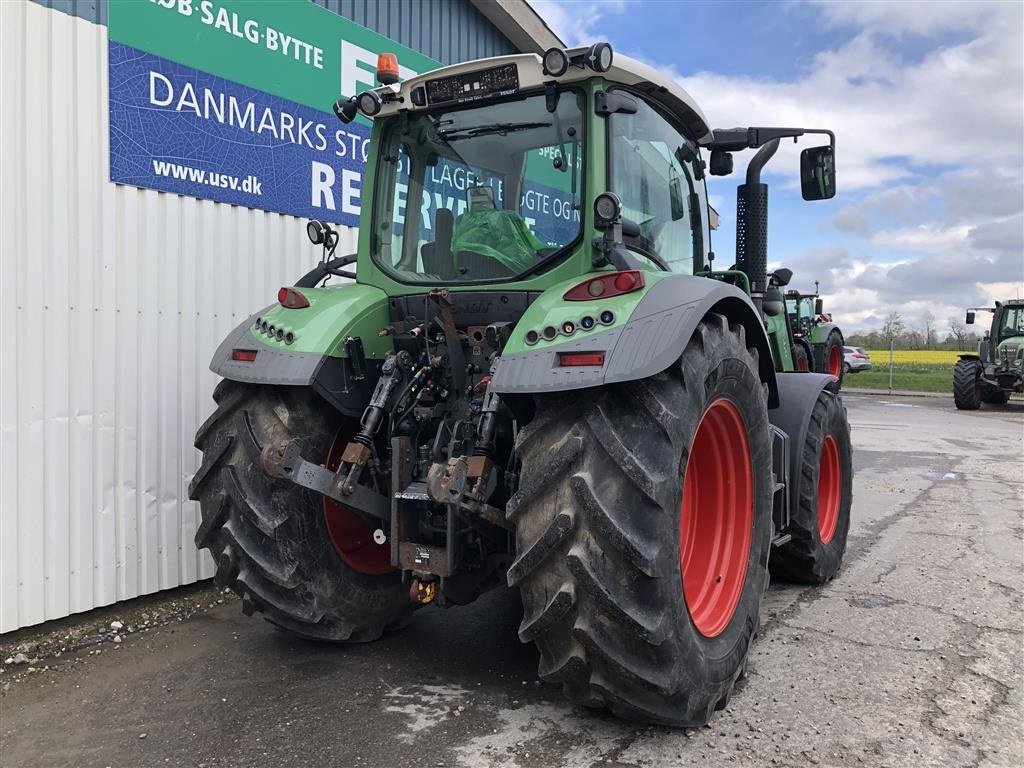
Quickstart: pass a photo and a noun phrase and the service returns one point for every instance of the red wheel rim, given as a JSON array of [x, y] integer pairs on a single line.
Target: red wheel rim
[[716, 518], [835, 361], [351, 536], [829, 489], [801, 363]]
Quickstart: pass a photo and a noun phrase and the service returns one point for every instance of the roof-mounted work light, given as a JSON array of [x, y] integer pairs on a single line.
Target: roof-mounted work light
[[370, 103], [599, 57], [555, 62], [346, 109]]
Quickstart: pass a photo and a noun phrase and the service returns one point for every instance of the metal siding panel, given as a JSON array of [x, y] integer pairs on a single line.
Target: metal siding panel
[[12, 279]]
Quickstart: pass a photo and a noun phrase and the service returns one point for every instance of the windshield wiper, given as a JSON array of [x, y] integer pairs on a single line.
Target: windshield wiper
[[484, 130]]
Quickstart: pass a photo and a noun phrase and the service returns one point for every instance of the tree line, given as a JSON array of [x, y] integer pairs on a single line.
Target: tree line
[[927, 334]]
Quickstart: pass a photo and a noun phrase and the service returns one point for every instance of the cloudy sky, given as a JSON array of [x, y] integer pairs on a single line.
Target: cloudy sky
[[927, 101]]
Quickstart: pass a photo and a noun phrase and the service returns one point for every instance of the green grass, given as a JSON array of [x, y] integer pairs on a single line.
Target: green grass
[[923, 377]]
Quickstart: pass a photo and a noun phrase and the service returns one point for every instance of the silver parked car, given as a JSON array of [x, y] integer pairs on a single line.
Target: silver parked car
[[856, 359]]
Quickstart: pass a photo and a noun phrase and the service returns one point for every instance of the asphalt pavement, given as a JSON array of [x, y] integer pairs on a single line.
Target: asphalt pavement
[[911, 657]]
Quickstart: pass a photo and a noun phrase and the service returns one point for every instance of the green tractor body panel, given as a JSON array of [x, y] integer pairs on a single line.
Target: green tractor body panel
[[334, 314], [551, 311]]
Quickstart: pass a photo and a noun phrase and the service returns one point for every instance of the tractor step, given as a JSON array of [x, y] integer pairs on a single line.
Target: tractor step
[[782, 538]]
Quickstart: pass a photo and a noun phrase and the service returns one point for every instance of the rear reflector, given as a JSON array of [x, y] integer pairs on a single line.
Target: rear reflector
[[568, 359], [289, 298], [244, 355]]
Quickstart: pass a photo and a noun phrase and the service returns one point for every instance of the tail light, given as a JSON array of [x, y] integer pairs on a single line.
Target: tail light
[[571, 359], [606, 285], [290, 298], [244, 355], [859, 356]]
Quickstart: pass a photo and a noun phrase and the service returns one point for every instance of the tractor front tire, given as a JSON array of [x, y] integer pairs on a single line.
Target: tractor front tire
[[820, 523], [270, 538], [643, 523], [830, 357], [967, 385], [802, 359]]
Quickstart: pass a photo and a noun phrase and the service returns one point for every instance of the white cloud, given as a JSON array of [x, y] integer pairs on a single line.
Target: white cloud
[[959, 105], [576, 23]]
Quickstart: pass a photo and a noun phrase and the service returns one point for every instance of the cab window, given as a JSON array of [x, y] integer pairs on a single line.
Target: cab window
[[652, 171]]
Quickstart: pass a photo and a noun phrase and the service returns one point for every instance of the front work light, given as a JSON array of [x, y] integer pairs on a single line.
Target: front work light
[[556, 62]]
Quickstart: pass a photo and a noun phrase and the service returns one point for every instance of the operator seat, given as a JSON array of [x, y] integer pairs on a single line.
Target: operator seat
[[437, 256]]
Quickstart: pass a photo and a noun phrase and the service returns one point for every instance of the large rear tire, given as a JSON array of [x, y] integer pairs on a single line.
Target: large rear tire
[[967, 385], [643, 523], [271, 539], [820, 523]]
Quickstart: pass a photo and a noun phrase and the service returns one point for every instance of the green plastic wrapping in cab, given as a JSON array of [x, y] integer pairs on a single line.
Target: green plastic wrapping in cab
[[499, 235]]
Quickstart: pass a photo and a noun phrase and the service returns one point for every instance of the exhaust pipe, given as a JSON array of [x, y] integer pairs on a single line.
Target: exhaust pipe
[[752, 224]]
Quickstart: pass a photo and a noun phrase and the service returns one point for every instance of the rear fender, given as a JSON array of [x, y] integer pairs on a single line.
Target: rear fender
[[317, 355], [654, 337], [798, 392]]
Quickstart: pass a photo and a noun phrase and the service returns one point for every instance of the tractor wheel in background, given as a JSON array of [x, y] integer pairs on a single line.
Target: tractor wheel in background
[[307, 563], [802, 359], [967, 385], [830, 358], [821, 521], [995, 396], [643, 522]]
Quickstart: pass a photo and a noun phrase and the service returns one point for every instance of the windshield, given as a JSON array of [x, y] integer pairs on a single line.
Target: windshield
[[478, 194], [1012, 323]]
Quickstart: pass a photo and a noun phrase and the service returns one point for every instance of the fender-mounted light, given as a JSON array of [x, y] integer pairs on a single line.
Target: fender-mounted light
[[387, 68], [290, 298], [571, 359], [606, 285], [244, 355]]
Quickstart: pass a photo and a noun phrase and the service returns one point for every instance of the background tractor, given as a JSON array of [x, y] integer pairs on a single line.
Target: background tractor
[[997, 370], [819, 340], [539, 379]]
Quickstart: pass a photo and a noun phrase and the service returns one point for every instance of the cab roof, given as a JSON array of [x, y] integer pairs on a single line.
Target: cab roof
[[530, 75]]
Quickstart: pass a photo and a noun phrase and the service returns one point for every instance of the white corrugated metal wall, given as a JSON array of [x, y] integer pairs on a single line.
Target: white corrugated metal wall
[[113, 300]]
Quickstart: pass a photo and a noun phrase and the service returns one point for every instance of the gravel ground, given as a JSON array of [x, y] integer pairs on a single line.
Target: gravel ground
[[912, 656]]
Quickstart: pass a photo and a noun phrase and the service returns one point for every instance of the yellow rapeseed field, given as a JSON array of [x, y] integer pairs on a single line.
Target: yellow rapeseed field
[[915, 356]]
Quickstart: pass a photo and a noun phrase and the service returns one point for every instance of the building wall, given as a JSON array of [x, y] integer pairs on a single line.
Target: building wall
[[112, 301]]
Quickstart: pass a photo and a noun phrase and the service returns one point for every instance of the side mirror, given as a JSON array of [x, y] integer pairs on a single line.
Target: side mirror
[[818, 173], [721, 162], [819, 306], [970, 317]]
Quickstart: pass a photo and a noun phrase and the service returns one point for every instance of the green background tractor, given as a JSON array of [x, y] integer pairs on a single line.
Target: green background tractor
[[820, 338], [997, 370], [535, 378]]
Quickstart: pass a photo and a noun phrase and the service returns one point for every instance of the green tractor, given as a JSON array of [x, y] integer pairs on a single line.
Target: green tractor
[[997, 370], [819, 340], [537, 378]]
